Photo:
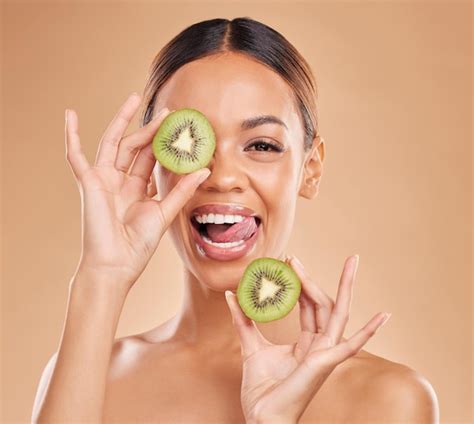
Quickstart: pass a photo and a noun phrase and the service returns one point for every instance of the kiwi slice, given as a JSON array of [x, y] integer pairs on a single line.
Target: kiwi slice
[[185, 141], [268, 290]]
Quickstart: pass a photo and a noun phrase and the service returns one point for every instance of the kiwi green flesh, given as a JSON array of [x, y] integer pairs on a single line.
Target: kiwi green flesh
[[188, 127], [279, 282]]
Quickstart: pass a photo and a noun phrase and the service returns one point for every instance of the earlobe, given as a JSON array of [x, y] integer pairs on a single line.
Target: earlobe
[[313, 169]]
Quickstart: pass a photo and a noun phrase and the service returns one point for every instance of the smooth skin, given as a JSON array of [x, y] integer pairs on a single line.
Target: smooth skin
[[279, 381], [209, 363]]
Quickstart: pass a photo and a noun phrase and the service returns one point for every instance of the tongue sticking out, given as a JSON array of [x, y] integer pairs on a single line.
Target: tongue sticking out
[[224, 233]]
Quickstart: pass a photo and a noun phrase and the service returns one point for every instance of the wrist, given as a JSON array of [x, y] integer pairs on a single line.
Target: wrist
[[97, 284]]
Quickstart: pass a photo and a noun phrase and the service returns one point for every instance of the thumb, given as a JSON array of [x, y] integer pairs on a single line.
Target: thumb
[[251, 340], [180, 194]]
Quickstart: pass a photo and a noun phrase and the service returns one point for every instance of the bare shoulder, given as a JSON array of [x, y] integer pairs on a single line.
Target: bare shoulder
[[398, 392], [369, 388]]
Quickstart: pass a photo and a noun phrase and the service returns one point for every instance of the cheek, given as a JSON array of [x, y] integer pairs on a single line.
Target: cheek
[[276, 185], [275, 182]]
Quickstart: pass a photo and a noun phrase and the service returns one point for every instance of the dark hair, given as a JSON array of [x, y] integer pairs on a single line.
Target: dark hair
[[242, 35]]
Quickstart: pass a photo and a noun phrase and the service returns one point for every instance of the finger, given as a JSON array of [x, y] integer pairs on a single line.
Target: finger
[[323, 304], [74, 154], [307, 314], [130, 145], [143, 166], [151, 187], [307, 378], [301, 347], [251, 340], [340, 313], [354, 344], [300, 387], [108, 146], [180, 194]]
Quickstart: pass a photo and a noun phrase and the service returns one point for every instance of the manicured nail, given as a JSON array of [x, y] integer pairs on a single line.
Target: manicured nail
[[297, 263], [203, 175], [162, 112], [228, 295], [386, 316], [355, 264]]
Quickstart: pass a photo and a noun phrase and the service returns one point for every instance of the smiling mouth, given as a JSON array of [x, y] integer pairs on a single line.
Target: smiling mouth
[[225, 228]]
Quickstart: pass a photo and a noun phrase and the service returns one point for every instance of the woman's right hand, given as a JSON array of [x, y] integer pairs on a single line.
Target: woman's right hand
[[121, 223]]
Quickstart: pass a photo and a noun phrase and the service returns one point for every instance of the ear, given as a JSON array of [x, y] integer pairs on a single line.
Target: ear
[[313, 167]]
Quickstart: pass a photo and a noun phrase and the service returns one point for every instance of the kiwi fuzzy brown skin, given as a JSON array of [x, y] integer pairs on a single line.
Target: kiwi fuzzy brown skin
[[281, 285], [184, 142]]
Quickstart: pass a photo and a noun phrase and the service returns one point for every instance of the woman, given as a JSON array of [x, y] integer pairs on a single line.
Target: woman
[[209, 363]]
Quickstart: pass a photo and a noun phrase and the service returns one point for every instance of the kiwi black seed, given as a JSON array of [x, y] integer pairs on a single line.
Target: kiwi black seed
[[268, 290], [185, 141]]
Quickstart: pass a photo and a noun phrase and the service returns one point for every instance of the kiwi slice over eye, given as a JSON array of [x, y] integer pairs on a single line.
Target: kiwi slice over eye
[[185, 141], [268, 290]]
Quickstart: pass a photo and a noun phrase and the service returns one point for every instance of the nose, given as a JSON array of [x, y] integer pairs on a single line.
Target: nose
[[227, 174]]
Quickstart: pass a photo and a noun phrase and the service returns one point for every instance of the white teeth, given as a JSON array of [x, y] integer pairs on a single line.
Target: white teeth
[[223, 245], [219, 219]]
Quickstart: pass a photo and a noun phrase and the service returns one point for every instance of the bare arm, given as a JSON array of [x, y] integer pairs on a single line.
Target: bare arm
[[122, 226], [72, 387]]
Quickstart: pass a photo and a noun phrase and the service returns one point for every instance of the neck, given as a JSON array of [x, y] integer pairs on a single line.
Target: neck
[[203, 321]]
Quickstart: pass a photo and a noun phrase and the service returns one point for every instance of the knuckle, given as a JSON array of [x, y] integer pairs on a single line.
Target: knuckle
[[121, 167], [149, 154], [131, 148]]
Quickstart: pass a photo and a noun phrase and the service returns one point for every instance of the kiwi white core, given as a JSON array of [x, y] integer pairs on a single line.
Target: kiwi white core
[[268, 289], [185, 141]]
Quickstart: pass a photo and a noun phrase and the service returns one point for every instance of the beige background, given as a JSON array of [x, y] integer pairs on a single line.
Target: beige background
[[394, 98]]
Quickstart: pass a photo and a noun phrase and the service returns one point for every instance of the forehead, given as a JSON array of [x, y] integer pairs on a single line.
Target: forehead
[[229, 88]]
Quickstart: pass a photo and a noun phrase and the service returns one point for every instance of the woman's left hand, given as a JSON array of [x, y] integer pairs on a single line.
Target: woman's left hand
[[279, 381]]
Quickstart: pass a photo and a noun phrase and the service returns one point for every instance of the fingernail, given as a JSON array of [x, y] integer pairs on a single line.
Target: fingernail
[[296, 261], [65, 114], [386, 316], [203, 175], [162, 112], [228, 295]]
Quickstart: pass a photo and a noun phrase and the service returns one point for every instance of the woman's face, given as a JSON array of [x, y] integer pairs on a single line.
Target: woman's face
[[259, 167]]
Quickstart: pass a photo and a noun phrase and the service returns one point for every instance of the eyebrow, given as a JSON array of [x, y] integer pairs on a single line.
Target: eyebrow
[[256, 121]]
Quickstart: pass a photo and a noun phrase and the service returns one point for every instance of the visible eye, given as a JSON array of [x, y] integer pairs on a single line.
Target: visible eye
[[264, 146]]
